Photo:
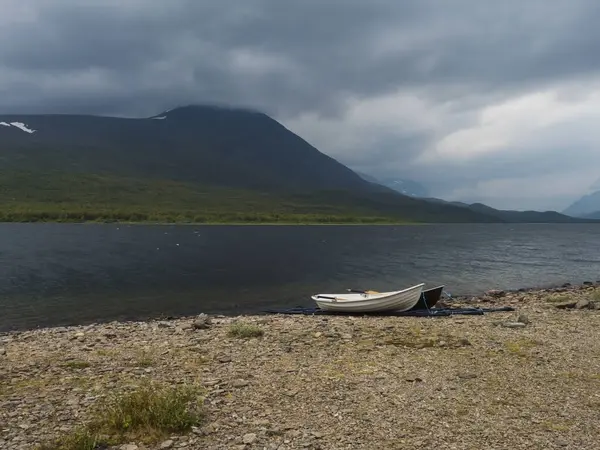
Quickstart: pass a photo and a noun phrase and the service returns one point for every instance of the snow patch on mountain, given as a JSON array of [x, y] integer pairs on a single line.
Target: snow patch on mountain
[[20, 125]]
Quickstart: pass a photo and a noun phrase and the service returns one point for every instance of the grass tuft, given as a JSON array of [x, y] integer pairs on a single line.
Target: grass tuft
[[560, 298], [147, 414], [151, 411], [80, 439], [76, 364], [520, 347], [244, 330]]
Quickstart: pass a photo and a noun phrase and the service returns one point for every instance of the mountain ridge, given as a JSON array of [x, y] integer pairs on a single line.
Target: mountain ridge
[[196, 153], [584, 206]]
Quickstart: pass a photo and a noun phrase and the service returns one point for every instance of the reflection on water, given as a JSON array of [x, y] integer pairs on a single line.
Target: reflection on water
[[54, 274]]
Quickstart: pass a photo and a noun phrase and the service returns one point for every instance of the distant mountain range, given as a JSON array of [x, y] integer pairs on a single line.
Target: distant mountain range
[[406, 187], [198, 163], [587, 206]]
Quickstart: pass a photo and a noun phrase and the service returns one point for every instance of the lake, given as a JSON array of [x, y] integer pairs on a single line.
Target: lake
[[60, 274]]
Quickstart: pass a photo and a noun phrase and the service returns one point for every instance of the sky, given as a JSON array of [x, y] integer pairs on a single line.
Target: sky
[[496, 102]]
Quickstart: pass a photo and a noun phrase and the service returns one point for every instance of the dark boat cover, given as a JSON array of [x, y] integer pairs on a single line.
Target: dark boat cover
[[434, 312]]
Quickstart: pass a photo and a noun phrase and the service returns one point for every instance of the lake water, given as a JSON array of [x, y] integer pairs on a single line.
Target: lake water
[[56, 274]]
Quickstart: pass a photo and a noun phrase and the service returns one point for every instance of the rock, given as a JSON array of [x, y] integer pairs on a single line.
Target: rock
[[318, 334], [523, 319], [202, 322], [239, 383], [495, 293], [565, 305], [588, 283], [514, 325], [582, 304], [224, 359], [2, 351], [128, 447], [414, 379], [166, 444], [566, 285], [346, 336], [249, 438], [467, 376]]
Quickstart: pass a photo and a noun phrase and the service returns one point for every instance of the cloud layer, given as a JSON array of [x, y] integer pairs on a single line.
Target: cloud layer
[[493, 102]]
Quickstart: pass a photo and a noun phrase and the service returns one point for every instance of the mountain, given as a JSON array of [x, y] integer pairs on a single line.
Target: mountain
[[406, 187], [594, 215], [586, 205], [514, 216], [403, 186], [194, 163], [523, 216]]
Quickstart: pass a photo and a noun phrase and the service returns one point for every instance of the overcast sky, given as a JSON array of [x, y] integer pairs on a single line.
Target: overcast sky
[[486, 101]]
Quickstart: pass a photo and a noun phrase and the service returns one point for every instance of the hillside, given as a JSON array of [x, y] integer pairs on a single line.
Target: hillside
[[516, 216], [594, 215], [195, 163], [585, 206], [401, 185], [524, 216]]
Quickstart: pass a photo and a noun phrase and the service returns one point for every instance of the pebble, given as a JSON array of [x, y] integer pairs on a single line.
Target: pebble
[[523, 319], [2, 351], [202, 322], [514, 325], [413, 379], [249, 438], [496, 293], [128, 447], [166, 444], [582, 304], [467, 376]]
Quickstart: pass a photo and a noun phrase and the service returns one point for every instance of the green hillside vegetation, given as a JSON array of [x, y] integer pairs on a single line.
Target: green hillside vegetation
[[77, 197]]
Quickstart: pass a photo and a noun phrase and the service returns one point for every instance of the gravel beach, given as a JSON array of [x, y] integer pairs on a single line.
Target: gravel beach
[[528, 379]]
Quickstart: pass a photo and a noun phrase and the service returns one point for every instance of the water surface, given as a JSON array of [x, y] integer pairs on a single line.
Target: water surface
[[55, 274]]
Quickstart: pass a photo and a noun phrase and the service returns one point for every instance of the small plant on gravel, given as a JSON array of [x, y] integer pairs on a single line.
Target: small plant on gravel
[[147, 414], [76, 364], [81, 439], [520, 347], [144, 359], [561, 298], [151, 411], [244, 330]]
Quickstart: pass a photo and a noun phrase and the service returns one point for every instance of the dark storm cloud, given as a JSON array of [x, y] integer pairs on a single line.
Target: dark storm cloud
[[183, 50]]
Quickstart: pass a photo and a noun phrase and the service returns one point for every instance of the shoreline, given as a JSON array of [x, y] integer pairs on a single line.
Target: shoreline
[[517, 379], [483, 297]]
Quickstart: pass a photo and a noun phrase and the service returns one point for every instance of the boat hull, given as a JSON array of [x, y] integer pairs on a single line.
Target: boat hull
[[429, 298], [379, 302]]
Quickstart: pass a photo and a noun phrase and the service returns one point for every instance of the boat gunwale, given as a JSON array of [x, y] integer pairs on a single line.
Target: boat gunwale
[[381, 296]]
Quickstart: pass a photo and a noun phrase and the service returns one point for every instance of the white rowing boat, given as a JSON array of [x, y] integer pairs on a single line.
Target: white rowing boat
[[370, 301]]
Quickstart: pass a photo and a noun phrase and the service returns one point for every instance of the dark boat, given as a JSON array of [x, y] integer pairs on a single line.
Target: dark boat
[[429, 298]]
